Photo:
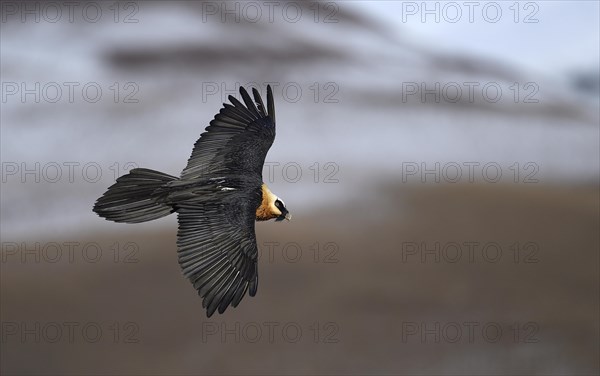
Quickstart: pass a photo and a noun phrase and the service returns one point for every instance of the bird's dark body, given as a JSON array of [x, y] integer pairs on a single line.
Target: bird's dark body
[[216, 199]]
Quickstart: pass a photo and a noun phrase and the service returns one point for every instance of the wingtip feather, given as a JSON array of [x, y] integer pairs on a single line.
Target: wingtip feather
[[271, 103]]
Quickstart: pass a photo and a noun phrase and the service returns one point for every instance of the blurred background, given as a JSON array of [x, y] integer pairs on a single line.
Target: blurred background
[[440, 159]]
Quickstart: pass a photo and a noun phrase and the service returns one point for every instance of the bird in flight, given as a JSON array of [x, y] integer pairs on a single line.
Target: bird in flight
[[218, 197]]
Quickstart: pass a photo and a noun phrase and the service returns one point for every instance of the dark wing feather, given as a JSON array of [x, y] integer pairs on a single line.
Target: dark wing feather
[[271, 104], [261, 106], [217, 245], [237, 140], [216, 201]]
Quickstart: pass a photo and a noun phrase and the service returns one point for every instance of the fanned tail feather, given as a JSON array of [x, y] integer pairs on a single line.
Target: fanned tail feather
[[135, 197]]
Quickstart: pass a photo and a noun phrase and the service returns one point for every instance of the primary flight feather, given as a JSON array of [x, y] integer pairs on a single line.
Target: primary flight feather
[[218, 198]]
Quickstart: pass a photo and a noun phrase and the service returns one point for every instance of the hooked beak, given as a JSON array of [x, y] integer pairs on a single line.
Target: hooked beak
[[285, 215]]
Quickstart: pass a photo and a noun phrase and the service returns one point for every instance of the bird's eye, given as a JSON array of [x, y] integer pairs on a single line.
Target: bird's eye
[[278, 204]]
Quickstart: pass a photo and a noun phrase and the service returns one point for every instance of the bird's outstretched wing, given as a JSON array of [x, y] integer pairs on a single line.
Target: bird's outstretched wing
[[216, 201], [217, 245], [237, 139]]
